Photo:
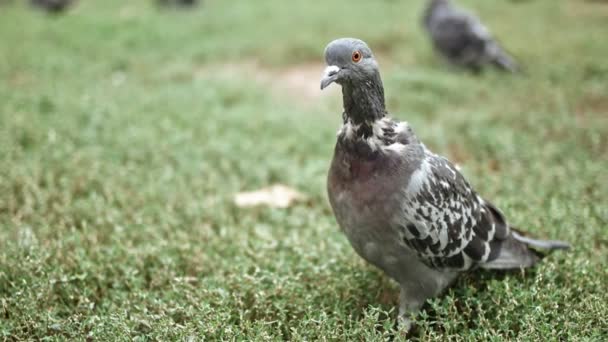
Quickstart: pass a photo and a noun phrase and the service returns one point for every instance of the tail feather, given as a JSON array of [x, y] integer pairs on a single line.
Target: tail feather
[[519, 251], [505, 62], [512, 254], [501, 59], [541, 244]]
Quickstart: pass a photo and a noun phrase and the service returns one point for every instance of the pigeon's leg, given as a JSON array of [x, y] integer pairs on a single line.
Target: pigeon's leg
[[409, 305], [407, 308], [415, 293]]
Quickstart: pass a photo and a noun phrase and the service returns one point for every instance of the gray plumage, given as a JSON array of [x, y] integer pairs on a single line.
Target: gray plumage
[[462, 39], [403, 208]]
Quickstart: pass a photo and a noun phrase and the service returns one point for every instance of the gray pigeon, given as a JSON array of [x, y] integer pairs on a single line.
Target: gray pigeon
[[403, 208], [462, 39]]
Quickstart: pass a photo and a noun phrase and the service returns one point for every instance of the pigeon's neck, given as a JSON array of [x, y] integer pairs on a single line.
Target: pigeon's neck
[[364, 101]]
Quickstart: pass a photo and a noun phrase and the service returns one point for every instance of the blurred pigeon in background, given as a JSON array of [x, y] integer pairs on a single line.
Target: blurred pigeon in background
[[52, 6], [403, 208], [462, 39]]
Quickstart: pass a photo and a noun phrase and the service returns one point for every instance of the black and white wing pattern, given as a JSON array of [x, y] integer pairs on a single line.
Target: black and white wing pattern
[[445, 221]]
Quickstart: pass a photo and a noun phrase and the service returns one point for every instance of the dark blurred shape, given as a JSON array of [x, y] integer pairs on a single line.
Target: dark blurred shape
[[52, 6], [462, 39], [178, 3]]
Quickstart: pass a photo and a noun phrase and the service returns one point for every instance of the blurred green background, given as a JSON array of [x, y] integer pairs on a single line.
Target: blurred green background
[[126, 130]]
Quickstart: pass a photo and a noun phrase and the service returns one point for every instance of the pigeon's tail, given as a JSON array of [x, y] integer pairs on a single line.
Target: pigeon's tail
[[519, 251], [547, 245], [502, 60]]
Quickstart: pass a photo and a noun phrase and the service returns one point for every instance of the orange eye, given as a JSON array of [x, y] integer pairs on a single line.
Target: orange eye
[[356, 56]]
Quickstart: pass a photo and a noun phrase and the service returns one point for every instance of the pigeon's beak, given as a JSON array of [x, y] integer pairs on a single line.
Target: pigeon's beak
[[330, 75]]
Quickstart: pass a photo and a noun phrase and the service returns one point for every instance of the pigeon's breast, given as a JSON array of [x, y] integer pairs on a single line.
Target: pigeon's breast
[[364, 196], [362, 183]]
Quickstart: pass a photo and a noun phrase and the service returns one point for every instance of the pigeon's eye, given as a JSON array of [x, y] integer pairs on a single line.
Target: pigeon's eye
[[356, 56]]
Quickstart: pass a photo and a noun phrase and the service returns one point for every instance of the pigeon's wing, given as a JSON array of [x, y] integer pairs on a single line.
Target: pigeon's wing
[[446, 222], [459, 37]]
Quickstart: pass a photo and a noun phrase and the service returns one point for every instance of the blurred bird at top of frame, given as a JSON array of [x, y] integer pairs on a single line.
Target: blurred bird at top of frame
[[52, 6], [178, 3], [403, 208], [461, 38]]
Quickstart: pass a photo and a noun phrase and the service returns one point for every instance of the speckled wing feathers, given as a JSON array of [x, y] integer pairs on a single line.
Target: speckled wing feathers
[[445, 221]]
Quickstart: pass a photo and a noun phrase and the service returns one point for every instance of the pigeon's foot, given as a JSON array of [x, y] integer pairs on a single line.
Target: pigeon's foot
[[404, 324]]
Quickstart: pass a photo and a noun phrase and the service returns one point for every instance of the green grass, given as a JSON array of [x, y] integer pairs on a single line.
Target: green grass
[[121, 149]]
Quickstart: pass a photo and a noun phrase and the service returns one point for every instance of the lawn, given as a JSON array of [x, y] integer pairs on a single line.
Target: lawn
[[125, 132]]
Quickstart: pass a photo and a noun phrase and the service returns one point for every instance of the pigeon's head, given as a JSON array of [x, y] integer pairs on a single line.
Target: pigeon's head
[[349, 61]]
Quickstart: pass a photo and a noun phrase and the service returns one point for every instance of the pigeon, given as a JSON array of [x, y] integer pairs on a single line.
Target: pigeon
[[404, 209], [52, 6], [462, 39]]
